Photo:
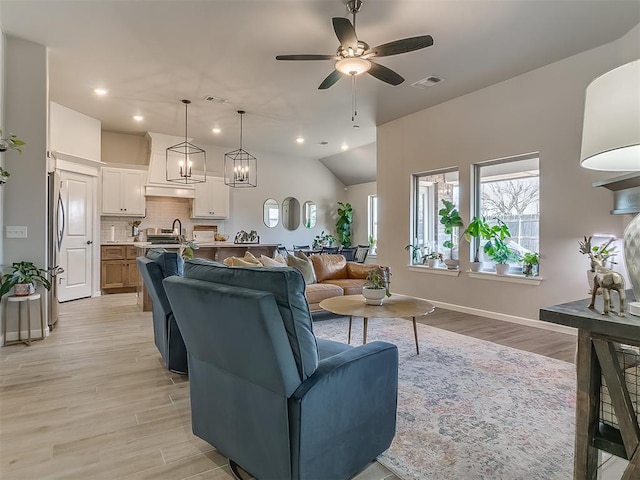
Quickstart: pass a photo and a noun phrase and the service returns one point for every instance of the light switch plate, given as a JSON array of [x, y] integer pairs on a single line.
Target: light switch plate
[[17, 232]]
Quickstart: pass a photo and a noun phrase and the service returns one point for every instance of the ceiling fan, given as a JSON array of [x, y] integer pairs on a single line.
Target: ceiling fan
[[353, 56]]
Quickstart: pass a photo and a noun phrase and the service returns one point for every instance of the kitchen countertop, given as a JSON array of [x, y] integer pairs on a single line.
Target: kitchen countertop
[[203, 245], [106, 244]]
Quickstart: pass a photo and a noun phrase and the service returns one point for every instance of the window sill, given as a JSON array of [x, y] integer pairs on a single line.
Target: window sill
[[434, 270], [506, 278]]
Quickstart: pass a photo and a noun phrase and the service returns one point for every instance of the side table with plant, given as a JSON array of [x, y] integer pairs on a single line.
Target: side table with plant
[[450, 218]]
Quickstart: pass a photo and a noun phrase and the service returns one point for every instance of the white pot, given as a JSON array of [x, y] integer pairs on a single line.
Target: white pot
[[502, 268], [433, 262], [451, 264], [475, 266], [373, 296]]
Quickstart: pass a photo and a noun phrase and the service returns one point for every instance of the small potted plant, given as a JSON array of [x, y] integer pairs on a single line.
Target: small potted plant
[[433, 259], [496, 247], [324, 239], [530, 261], [23, 279], [376, 286], [477, 229], [416, 253], [450, 218]]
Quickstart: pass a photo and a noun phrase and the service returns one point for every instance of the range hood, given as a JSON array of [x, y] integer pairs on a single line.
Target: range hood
[[157, 184], [626, 193]]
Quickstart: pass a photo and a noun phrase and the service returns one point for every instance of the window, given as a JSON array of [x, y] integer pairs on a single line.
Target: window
[[430, 189], [509, 190], [372, 231]]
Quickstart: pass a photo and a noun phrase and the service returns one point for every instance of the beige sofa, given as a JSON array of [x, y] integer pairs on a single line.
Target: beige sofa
[[334, 277]]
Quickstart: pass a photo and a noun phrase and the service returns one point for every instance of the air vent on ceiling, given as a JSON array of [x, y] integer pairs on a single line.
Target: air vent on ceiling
[[212, 99], [323, 143], [427, 82]]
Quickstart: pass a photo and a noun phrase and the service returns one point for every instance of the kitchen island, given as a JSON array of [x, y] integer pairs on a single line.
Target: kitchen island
[[602, 355], [216, 251]]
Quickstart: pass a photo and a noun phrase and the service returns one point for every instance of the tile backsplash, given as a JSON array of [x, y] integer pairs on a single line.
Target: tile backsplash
[[161, 211]]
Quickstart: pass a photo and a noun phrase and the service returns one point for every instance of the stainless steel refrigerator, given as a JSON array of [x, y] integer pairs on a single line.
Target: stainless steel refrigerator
[[55, 233]]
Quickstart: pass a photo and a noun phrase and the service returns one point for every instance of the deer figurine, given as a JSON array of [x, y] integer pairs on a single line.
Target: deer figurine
[[605, 278]]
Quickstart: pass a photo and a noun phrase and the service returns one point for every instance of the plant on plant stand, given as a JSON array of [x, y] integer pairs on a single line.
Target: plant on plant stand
[[376, 285], [530, 261], [477, 229], [450, 218], [343, 225], [23, 279], [497, 246]]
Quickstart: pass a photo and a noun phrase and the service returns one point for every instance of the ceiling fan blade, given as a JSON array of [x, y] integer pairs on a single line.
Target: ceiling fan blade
[[306, 57], [402, 46], [332, 78], [385, 74], [345, 33]]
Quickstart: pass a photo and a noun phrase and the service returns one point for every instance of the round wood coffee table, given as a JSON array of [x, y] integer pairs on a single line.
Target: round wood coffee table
[[395, 306]]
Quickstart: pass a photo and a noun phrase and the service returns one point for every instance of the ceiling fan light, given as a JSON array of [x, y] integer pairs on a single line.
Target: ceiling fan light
[[353, 65]]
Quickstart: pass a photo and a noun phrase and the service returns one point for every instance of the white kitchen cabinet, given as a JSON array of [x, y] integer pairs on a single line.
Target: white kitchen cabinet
[[211, 200], [123, 192]]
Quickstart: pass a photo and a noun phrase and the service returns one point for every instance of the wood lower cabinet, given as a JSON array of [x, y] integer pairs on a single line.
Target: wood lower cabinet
[[118, 268]]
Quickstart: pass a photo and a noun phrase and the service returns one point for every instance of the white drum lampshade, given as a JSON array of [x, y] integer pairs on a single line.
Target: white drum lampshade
[[611, 129]]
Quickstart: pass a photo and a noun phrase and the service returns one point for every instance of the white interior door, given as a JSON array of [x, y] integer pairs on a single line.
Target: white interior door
[[76, 192]]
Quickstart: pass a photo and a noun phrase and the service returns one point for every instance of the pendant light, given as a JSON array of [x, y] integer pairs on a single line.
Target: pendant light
[[240, 167], [186, 163]]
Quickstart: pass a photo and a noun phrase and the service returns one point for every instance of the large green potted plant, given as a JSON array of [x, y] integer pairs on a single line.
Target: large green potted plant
[[450, 218], [497, 246], [23, 279], [343, 225], [477, 230]]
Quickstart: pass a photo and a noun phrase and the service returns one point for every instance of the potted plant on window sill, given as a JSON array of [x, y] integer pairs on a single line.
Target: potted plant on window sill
[[376, 286], [433, 259], [450, 218], [23, 279], [416, 253], [496, 247], [477, 229], [530, 261]]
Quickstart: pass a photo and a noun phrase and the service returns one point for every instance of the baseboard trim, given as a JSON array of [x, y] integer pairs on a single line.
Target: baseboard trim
[[507, 318]]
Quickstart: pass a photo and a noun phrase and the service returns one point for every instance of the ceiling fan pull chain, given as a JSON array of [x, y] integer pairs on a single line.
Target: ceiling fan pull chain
[[353, 98]]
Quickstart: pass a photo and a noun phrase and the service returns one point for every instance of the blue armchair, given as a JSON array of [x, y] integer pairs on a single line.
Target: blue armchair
[[264, 391], [156, 266]]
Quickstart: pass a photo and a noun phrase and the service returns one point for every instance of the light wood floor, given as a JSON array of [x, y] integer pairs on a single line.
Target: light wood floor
[[94, 400]]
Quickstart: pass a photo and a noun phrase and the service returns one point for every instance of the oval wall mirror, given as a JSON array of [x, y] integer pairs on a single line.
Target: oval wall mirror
[[290, 213], [309, 214], [271, 213]]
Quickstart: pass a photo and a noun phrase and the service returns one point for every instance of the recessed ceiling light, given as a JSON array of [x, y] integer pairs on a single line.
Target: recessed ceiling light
[[345, 147], [300, 140], [138, 118], [100, 91], [216, 130]]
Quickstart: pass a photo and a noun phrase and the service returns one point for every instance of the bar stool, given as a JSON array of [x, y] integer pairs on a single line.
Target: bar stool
[[20, 299]]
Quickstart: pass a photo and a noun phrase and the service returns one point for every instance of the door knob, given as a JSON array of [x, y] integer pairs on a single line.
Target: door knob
[[89, 242]]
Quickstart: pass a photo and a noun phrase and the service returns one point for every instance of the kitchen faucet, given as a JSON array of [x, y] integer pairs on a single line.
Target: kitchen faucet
[[173, 226]]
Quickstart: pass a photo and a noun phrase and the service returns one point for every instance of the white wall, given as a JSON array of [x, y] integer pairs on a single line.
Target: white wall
[[125, 148], [358, 197], [26, 113], [540, 111], [74, 133]]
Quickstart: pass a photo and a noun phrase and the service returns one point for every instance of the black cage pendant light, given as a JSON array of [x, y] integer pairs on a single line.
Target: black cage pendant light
[[186, 163], [240, 167]]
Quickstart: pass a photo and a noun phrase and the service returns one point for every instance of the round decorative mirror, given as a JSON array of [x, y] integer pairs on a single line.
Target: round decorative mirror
[[290, 213], [271, 213], [309, 214]]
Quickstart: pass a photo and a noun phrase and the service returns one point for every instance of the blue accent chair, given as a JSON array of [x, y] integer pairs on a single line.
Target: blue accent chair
[[264, 391], [156, 266]]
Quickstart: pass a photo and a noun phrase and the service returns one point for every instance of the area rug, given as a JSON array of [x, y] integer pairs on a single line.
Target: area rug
[[471, 409]]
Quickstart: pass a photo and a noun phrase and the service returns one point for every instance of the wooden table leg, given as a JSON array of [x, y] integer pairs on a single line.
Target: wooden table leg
[[587, 401], [349, 337], [415, 334], [364, 330]]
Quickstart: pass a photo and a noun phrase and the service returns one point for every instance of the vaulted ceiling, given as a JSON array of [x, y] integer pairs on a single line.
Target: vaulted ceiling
[[151, 54]]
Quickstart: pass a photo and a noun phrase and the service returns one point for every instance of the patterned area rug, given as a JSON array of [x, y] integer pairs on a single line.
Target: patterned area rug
[[470, 409]]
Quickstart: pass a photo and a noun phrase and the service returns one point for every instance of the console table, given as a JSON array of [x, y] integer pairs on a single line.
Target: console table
[[599, 339]]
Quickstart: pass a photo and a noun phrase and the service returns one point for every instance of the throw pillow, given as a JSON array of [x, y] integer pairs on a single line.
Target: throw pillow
[[304, 266], [241, 262], [249, 257], [270, 262], [279, 258]]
